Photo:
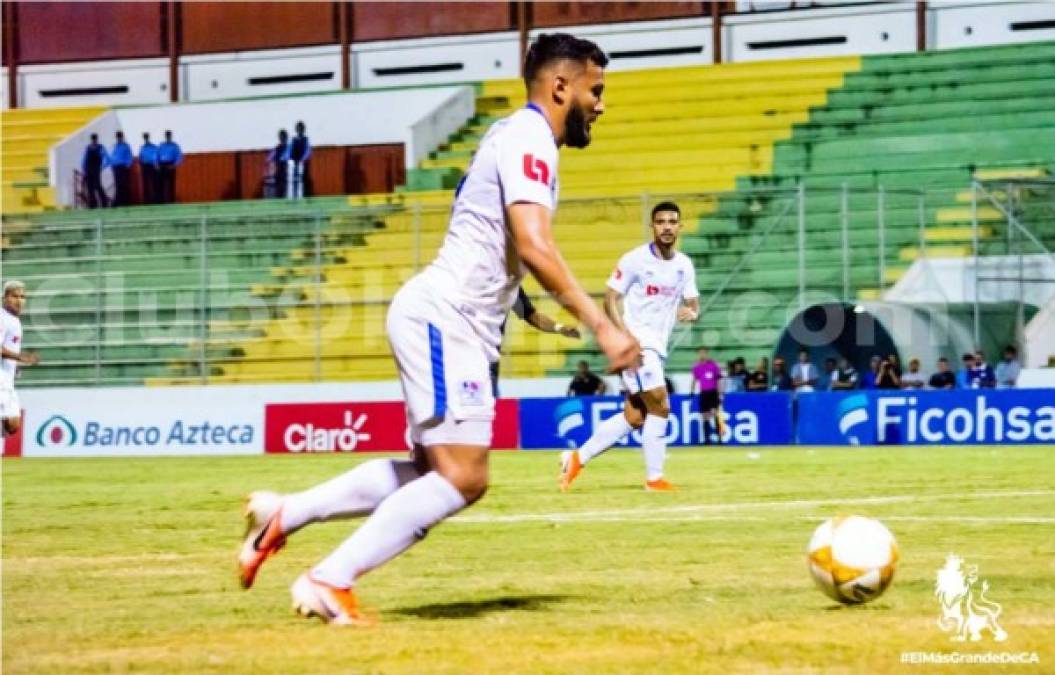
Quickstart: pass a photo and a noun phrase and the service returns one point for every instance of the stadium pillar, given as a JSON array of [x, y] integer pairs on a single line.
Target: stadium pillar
[[921, 25], [716, 30], [11, 53], [344, 31], [172, 12], [523, 21]]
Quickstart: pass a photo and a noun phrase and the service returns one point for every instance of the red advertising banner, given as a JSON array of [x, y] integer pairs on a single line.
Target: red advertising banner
[[377, 426], [13, 444]]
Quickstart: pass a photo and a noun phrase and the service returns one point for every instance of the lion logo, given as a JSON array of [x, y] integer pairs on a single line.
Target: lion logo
[[962, 612]]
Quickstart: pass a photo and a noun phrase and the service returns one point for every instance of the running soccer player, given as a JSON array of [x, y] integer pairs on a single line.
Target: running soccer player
[[444, 327], [659, 287], [11, 355]]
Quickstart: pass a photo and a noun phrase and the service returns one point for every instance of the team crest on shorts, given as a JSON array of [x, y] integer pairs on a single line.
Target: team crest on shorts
[[472, 393]]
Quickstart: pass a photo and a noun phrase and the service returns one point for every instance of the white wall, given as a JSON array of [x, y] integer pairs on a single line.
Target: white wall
[[866, 29], [1039, 337], [625, 42], [470, 58], [951, 280], [146, 81], [420, 119], [208, 77], [974, 24]]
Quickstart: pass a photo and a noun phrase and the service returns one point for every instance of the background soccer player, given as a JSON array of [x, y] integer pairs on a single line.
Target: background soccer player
[[659, 287], [12, 355], [444, 326]]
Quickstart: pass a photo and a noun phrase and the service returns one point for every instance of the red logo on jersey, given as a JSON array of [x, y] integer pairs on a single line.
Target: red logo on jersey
[[618, 274], [536, 169], [651, 290]]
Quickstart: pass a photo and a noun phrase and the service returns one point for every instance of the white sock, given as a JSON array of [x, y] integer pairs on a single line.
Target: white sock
[[605, 436], [654, 443], [353, 493], [397, 524]]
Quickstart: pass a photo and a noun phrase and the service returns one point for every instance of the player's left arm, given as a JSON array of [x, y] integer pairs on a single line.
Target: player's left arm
[[546, 324], [23, 358], [690, 307]]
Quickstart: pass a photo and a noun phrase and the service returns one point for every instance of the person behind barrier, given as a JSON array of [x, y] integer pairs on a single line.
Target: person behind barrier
[[169, 157], [1008, 369], [943, 378], [758, 379], [845, 378], [913, 379], [121, 160], [300, 154], [93, 162], [981, 375], [148, 170], [804, 375], [963, 375], [781, 379], [585, 383], [278, 166]]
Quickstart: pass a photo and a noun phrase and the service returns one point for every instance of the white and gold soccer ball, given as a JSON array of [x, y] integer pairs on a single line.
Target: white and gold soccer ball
[[852, 558]]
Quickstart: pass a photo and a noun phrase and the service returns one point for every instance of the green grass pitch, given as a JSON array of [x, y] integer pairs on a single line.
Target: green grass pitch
[[126, 565]]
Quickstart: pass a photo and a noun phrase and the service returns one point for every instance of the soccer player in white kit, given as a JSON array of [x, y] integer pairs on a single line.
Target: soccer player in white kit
[[444, 327], [12, 355], [656, 286]]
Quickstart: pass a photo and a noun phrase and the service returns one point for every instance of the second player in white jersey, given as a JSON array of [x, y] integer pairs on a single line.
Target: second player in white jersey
[[652, 288], [11, 354]]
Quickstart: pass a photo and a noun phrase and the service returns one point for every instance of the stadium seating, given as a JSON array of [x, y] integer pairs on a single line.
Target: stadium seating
[[28, 135], [730, 143]]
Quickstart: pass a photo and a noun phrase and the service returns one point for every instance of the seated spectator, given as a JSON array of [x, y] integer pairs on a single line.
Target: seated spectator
[[733, 382], [585, 383], [887, 377], [670, 385], [1008, 369], [278, 166], [871, 377], [963, 376], [804, 375], [913, 379], [827, 378], [944, 378], [758, 380], [982, 374], [845, 378], [781, 379], [895, 363]]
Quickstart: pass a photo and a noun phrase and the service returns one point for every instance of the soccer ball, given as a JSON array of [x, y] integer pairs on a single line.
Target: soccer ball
[[852, 558]]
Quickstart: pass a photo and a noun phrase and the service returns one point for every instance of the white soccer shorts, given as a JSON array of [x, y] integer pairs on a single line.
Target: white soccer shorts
[[444, 371], [648, 376], [9, 404]]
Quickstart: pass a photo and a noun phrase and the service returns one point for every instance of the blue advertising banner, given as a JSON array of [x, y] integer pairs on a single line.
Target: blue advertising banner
[[974, 416], [750, 419]]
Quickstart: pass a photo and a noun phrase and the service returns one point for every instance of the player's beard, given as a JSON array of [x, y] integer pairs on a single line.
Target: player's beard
[[576, 135]]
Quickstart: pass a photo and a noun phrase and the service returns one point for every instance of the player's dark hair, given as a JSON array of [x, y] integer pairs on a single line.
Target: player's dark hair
[[550, 47], [665, 206]]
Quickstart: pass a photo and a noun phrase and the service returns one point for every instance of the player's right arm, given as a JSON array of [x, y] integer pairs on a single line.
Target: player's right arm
[[533, 237]]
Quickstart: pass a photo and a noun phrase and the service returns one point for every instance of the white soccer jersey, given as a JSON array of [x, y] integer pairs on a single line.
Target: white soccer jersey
[[653, 288], [11, 337], [477, 271]]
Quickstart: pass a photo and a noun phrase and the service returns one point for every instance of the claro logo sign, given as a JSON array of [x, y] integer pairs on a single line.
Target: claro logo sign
[[334, 427]]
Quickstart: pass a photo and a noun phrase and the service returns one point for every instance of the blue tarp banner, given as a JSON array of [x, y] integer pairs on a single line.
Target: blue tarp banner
[[927, 417], [750, 419]]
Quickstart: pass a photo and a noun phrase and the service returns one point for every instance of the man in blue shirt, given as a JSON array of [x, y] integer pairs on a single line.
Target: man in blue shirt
[[300, 153], [963, 375], [278, 165], [93, 162], [871, 377], [148, 170], [169, 157], [121, 163], [981, 374]]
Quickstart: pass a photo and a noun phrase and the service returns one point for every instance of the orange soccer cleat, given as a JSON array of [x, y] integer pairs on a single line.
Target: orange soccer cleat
[[570, 466], [263, 534], [338, 606], [660, 485]]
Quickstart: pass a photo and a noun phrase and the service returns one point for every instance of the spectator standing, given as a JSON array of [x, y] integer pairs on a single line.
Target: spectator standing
[[1008, 369], [278, 165], [781, 380], [828, 377], [706, 374], [888, 377], [93, 162], [300, 153], [758, 380], [804, 374], [943, 378], [169, 157], [963, 376], [913, 379], [148, 170], [982, 375], [585, 383], [872, 376], [845, 378], [121, 160]]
